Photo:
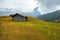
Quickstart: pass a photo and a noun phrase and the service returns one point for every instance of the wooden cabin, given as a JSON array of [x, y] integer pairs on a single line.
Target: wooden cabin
[[18, 17]]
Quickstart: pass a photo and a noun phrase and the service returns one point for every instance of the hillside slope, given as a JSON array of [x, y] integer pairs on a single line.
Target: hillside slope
[[33, 29], [51, 16]]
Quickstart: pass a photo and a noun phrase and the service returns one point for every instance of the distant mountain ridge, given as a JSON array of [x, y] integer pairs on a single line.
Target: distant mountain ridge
[[6, 11], [50, 16]]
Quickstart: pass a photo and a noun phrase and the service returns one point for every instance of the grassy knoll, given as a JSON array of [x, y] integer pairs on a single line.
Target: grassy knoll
[[33, 29]]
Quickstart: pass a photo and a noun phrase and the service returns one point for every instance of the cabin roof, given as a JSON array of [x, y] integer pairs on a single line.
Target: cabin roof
[[13, 15]]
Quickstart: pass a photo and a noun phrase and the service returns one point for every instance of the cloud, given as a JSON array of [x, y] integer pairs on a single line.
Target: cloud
[[25, 5], [45, 6], [48, 5]]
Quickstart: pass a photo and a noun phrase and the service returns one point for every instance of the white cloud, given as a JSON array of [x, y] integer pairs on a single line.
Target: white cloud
[[25, 5], [58, 7]]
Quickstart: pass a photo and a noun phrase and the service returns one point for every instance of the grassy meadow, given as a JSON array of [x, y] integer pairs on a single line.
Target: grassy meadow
[[33, 29]]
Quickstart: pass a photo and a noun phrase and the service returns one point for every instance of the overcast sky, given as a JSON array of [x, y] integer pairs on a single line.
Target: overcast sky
[[25, 5], [28, 5], [48, 5]]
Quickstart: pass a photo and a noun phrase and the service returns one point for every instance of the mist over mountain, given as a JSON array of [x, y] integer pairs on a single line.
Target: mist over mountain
[[6, 12], [50, 16], [36, 12]]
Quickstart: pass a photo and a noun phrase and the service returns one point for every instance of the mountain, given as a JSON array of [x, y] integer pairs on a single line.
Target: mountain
[[6, 11], [50, 16]]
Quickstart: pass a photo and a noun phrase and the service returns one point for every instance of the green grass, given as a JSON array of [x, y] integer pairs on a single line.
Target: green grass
[[33, 29]]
